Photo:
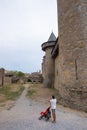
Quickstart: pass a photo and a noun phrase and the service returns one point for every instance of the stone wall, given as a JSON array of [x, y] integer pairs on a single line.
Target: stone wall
[[72, 59], [1, 77], [7, 80], [67, 71], [35, 77], [48, 77], [57, 77], [43, 67], [4, 80]]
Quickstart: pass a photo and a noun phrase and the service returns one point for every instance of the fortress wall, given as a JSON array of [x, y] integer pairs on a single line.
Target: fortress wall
[[4, 80], [7, 80], [43, 67], [57, 77], [49, 69], [1, 77], [72, 63]]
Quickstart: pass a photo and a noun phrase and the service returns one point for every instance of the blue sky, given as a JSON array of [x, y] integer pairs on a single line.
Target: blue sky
[[24, 26]]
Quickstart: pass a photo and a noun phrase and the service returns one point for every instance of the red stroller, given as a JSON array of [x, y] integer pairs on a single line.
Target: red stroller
[[46, 114]]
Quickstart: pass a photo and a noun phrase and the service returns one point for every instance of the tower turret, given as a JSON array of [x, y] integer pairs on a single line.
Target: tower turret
[[48, 61]]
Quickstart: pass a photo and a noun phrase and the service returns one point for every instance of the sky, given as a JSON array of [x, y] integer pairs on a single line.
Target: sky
[[24, 26]]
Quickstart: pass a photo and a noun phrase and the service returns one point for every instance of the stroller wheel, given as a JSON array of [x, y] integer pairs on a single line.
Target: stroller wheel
[[40, 117], [46, 119]]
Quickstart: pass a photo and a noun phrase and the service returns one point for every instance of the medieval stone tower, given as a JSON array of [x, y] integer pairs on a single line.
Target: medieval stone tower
[[65, 63], [48, 62], [72, 59]]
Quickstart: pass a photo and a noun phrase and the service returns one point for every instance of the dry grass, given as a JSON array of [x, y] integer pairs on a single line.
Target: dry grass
[[10, 93], [39, 93], [42, 94], [2, 98]]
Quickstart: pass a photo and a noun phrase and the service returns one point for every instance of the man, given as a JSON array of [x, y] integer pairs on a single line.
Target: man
[[53, 102]]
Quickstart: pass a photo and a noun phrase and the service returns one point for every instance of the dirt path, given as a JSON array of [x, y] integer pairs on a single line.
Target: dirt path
[[24, 116]]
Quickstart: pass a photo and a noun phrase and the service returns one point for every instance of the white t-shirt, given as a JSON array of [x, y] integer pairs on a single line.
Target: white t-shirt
[[53, 103]]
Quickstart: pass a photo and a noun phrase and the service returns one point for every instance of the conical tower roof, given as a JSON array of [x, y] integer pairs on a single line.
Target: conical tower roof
[[52, 37], [50, 43]]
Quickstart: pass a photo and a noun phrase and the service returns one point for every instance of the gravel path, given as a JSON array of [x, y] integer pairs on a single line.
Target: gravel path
[[24, 116]]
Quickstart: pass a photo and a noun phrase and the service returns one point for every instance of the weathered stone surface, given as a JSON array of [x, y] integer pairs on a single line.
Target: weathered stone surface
[[7, 80], [70, 65], [48, 62], [1, 77], [4, 78], [72, 21]]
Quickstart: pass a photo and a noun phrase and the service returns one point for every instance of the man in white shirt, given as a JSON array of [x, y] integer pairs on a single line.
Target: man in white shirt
[[53, 102]]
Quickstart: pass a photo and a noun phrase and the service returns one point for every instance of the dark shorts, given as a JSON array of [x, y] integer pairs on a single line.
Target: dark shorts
[[53, 110]]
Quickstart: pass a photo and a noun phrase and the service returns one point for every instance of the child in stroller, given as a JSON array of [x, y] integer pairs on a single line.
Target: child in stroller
[[46, 114]]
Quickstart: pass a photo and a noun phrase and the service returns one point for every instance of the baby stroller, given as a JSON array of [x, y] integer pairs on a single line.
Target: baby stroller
[[46, 114]]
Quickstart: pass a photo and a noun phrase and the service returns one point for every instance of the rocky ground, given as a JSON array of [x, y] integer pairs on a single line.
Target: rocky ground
[[25, 113]]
